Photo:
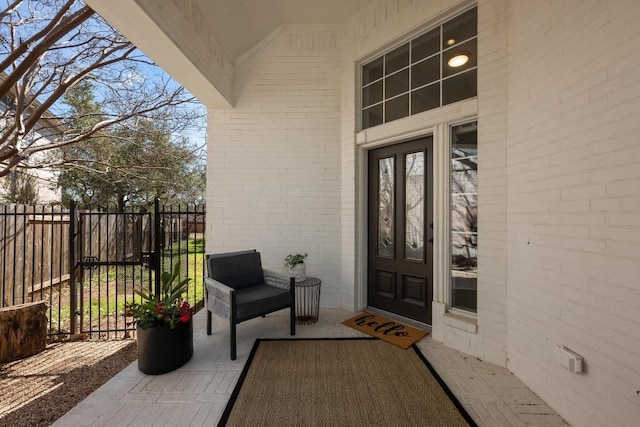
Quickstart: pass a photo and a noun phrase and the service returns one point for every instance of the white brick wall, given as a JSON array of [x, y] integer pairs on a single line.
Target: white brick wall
[[490, 342], [273, 172], [573, 201]]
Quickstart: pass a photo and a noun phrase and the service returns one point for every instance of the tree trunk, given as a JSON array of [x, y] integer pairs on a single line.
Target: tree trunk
[[23, 330]]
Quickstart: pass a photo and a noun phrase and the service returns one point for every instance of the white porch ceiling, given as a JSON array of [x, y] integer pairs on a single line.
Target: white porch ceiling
[[199, 41], [240, 24]]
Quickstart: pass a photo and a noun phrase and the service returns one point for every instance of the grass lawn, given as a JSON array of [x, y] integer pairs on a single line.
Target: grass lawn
[[105, 290]]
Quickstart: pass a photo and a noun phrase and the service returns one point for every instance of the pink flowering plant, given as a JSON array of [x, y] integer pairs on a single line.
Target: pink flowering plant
[[169, 308]]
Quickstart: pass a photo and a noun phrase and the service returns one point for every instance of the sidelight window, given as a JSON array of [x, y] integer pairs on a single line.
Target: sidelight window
[[464, 217]]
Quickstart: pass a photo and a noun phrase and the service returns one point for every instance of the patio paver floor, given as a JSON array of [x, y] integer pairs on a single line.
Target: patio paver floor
[[196, 394]]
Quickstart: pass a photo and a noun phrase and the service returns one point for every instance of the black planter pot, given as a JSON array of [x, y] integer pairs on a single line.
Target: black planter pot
[[162, 349]]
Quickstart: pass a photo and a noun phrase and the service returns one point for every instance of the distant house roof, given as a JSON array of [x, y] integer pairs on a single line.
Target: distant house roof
[[48, 125]]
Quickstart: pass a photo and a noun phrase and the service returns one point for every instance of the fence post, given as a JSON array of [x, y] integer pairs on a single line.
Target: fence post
[[73, 268], [157, 246]]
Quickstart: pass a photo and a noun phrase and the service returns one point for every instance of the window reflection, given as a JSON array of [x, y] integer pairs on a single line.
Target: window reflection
[[372, 116], [396, 108], [425, 72], [425, 99], [469, 48], [425, 45], [464, 217], [459, 87], [460, 28], [414, 206], [372, 94], [396, 84], [372, 71], [396, 59], [417, 76], [386, 202]]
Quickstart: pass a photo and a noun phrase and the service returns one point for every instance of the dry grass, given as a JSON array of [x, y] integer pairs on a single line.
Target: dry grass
[[38, 390]]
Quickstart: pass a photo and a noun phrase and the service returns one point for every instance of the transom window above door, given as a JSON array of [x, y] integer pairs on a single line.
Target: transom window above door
[[434, 69]]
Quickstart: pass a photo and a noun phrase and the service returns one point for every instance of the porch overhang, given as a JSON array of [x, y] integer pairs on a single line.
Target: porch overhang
[[199, 42], [186, 49]]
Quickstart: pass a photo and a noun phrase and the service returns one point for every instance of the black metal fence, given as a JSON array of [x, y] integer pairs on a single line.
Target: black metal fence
[[86, 263]]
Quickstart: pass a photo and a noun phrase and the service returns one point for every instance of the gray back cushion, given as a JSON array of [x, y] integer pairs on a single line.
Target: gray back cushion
[[237, 271]]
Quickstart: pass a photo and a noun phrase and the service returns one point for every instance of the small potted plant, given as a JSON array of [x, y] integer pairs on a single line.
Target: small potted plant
[[164, 326], [297, 267]]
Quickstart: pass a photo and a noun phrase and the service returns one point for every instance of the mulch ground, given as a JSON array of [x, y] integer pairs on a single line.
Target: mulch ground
[[38, 390]]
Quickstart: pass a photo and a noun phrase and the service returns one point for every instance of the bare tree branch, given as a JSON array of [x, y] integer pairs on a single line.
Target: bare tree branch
[[9, 10], [54, 48], [49, 38]]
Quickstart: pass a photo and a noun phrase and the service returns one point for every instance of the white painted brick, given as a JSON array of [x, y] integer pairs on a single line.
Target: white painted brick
[[274, 174], [577, 118]]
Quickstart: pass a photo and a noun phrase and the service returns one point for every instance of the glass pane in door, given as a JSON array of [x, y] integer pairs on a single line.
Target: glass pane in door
[[414, 206], [386, 198]]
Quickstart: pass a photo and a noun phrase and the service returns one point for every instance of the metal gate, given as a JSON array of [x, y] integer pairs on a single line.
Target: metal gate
[[114, 253], [86, 263], [121, 252]]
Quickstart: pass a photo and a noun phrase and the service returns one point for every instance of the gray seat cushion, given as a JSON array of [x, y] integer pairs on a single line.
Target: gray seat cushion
[[237, 271], [256, 300]]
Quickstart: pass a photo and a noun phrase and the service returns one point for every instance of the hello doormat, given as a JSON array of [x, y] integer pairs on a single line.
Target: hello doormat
[[340, 382], [387, 330]]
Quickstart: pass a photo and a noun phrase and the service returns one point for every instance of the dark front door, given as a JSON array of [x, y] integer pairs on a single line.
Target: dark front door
[[400, 251]]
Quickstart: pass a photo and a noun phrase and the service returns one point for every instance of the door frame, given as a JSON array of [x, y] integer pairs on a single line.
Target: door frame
[[402, 267], [436, 123]]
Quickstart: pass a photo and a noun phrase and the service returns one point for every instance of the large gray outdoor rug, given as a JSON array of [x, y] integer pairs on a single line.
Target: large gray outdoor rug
[[340, 382]]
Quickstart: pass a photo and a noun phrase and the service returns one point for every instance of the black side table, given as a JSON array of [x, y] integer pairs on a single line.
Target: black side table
[[308, 301]]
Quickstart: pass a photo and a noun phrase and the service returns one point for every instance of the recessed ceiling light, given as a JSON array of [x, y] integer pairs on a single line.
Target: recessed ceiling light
[[451, 42], [458, 61]]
